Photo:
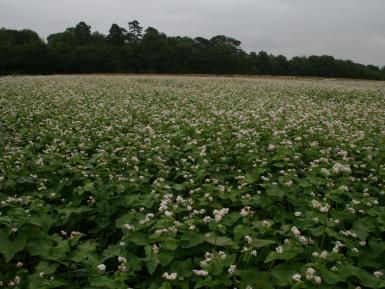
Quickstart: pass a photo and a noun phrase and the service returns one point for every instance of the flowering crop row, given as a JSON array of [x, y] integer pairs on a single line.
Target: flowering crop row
[[187, 182]]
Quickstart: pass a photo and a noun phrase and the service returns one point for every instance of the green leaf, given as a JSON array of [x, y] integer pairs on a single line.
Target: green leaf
[[57, 283], [259, 243], [247, 276], [151, 265], [139, 238], [377, 246], [46, 267], [45, 221], [255, 278], [24, 180], [166, 285], [40, 248], [207, 283], [86, 253], [182, 268], [331, 277], [362, 227], [241, 231], [165, 258], [60, 251], [286, 255], [9, 246], [218, 240], [178, 187], [231, 218], [169, 244], [191, 240], [249, 179], [318, 231], [283, 273], [104, 282]]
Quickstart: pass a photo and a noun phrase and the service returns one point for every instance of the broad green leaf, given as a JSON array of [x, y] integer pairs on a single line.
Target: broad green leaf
[[190, 240], [151, 265], [285, 255], [259, 243], [10, 245], [218, 240], [284, 272]]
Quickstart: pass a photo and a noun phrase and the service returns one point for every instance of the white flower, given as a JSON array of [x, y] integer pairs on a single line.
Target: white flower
[[296, 277], [18, 279], [207, 219], [74, 234], [339, 168], [169, 276], [246, 211], [310, 271], [338, 245], [288, 183], [222, 255], [129, 227], [325, 208], [303, 240], [101, 267], [39, 161], [219, 214], [155, 249], [316, 204], [168, 214], [323, 255], [325, 172], [279, 249], [245, 249], [248, 239], [378, 274], [232, 269], [295, 231], [122, 259], [362, 243], [297, 214], [200, 272], [266, 223], [317, 279], [271, 147]]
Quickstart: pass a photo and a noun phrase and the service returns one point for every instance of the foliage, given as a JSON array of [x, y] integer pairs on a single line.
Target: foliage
[[78, 50], [165, 182]]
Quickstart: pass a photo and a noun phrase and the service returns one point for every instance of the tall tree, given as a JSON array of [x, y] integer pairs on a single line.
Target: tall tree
[[135, 31], [116, 35], [82, 33]]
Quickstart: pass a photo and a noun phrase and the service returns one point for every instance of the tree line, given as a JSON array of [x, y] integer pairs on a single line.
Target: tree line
[[135, 50]]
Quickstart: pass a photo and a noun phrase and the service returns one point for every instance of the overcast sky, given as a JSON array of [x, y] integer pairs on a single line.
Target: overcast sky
[[347, 29]]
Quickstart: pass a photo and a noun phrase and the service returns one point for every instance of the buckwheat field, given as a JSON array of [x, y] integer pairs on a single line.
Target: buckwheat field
[[191, 182]]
